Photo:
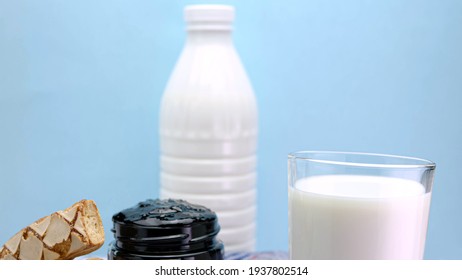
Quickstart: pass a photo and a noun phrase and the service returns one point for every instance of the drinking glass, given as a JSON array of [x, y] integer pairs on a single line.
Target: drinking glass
[[346, 205]]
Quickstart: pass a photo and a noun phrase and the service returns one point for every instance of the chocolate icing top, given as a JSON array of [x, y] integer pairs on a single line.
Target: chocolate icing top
[[168, 212]]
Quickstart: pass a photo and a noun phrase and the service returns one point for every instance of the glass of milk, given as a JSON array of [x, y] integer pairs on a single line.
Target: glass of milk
[[358, 205]]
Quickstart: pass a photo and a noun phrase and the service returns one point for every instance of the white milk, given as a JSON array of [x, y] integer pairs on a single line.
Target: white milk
[[357, 217], [209, 123]]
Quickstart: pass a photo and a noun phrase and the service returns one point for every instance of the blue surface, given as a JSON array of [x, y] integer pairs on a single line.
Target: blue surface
[[81, 81]]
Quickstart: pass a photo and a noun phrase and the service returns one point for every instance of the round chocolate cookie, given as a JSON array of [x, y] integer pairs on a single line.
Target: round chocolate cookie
[[166, 229]]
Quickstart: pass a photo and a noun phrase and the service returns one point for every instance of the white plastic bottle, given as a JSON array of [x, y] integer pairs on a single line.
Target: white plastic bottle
[[208, 127]]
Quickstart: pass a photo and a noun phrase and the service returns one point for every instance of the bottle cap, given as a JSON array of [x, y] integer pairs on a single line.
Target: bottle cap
[[209, 17]]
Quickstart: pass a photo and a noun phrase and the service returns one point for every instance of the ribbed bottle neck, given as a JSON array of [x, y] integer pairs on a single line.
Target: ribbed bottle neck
[[209, 26], [209, 36]]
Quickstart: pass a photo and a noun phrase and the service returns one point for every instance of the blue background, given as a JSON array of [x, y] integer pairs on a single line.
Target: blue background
[[81, 82]]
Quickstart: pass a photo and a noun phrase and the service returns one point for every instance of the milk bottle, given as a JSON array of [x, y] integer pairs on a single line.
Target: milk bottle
[[208, 127]]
